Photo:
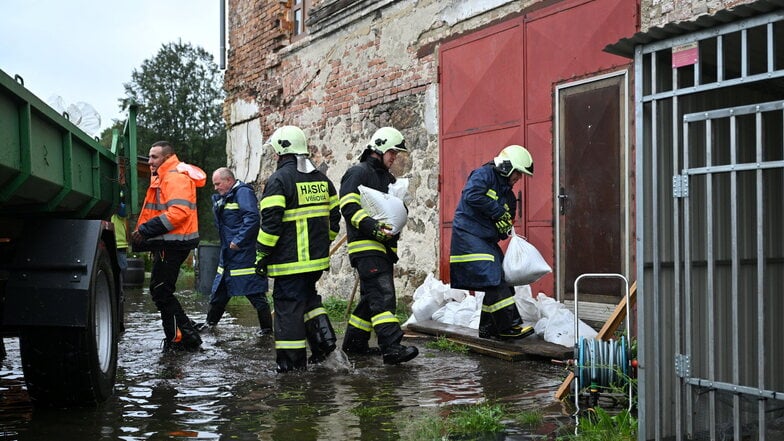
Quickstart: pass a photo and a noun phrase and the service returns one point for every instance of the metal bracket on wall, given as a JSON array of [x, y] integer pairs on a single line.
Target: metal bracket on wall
[[680, 186], [682, 365]]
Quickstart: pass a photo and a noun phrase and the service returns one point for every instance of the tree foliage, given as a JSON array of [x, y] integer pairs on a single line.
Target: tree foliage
[[180, 95]]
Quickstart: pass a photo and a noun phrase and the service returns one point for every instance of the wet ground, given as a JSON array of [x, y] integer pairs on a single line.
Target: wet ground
[[231, 391]]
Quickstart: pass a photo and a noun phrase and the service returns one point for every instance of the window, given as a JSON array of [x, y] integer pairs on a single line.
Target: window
[[299, 13]]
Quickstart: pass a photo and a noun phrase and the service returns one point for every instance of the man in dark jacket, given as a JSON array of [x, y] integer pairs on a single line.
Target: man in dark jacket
[[372, 250], [237, 219], [299, 219], [484, 216]]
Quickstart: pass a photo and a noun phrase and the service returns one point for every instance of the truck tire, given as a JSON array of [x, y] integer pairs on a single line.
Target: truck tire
[[74, 366]]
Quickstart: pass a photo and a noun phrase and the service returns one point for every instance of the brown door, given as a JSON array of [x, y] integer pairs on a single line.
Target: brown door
[[591, 187]]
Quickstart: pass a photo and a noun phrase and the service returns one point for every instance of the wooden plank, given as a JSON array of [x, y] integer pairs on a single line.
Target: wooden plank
[[607, 331], [619, 315], [532, 346], [492, 352]]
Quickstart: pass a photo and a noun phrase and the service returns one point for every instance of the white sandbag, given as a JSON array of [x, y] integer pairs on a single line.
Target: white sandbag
[[455, 295], [465, 312], [527, 306], [541, 326], [523, 264], [428, 298], [446, 314], [548, 306], [384, 207], [478, 297], [560, 328], [399, 189]]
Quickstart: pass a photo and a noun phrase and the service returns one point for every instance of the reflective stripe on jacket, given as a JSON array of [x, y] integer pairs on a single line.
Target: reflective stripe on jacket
[[359, 226], [237, 220], [475, 259], [299, 219], [168, 216]]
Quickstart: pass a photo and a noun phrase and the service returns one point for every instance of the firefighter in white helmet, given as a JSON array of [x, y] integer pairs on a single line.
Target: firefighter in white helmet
[[484, 216], [372, 250], [299, 219]]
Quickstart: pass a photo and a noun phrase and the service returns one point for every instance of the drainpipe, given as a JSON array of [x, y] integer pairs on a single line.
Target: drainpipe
[[222, 55]]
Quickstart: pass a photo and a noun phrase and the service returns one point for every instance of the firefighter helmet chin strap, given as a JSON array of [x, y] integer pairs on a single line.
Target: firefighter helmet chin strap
[[304, 164]]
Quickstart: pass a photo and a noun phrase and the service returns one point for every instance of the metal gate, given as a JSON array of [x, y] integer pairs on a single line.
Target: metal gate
[[729, 196], [709, 173]]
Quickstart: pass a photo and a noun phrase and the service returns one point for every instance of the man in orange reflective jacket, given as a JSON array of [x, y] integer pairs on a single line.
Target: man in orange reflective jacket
[[169, 228]]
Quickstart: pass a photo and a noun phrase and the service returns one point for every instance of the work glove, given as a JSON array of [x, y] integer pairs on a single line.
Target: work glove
[[382, 232], [504, 224], [261, 263]]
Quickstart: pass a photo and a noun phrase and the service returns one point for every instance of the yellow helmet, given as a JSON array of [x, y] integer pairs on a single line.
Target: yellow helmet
[[289, 140], [514, 157], [387, 138]]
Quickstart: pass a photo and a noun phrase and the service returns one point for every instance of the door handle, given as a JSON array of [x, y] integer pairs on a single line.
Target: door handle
[[562, 197]]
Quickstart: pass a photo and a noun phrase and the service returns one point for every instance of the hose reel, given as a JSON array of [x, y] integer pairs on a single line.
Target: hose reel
[[600, 363]]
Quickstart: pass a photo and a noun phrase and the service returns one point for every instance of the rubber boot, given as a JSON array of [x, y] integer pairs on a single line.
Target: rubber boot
[[265, 320], [487, 326], [291, 360], [397, 353], [355, 342], [179, 336], [321, 338]]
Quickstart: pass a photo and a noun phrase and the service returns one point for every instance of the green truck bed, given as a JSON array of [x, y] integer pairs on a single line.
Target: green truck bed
[[48, 166]]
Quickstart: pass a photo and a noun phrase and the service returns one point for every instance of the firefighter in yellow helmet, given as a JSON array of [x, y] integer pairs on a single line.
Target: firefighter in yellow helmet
[[484, 216], [372, 250], [299, 219]]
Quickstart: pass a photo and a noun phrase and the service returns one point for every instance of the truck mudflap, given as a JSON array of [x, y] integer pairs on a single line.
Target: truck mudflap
[[50, 277], [62, 298]]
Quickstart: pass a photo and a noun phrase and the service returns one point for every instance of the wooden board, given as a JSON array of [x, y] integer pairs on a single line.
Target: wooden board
[[607, 331], [527, 348]]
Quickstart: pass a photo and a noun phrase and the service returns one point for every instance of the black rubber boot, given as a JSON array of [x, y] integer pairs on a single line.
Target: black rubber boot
[[291, 360], [355, 342], [214, 314], [398, 353], [265, 320], [516, 332], [321, 338]]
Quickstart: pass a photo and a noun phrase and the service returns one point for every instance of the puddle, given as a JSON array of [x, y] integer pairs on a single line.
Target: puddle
[[231, 389]]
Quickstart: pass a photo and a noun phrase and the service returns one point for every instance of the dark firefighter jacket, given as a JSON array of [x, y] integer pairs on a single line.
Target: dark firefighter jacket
[[475, 258], [237, 220], [168, 218], [299, 219], [371, 173]]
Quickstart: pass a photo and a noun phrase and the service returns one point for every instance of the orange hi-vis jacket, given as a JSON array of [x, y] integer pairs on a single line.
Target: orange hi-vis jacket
[[168, 218]]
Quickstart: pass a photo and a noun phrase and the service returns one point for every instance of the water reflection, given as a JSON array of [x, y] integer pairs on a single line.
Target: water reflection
[[231, 389]]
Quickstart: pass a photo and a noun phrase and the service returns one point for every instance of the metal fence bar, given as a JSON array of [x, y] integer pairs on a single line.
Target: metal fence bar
[[677, 390], [656, 364], [709, 285], [687, 283], [734, 271], [639, 155], [760, 282]]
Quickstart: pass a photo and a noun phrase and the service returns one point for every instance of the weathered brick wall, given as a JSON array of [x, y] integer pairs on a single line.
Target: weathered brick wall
[[341, 84], [380, 69], [657, 13]]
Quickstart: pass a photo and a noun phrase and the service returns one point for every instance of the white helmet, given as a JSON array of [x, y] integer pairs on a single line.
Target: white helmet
[[289, 140], [387, 138], [514, 157]]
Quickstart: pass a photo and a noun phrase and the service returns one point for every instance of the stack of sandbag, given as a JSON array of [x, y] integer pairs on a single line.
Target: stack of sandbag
[[435, 300]]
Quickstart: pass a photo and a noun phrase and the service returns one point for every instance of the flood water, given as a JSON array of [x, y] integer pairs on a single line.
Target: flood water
[[231, 391]]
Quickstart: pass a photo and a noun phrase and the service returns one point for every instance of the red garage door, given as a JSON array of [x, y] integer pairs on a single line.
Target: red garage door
[[497, 88]]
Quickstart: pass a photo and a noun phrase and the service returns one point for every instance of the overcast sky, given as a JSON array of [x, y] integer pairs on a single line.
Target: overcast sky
[[84, 50]]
